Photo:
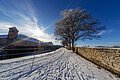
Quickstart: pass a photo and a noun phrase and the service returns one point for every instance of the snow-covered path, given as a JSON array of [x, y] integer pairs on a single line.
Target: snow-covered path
[[58, 65]]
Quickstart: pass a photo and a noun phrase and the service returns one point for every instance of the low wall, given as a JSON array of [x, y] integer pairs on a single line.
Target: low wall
[[106, 58]]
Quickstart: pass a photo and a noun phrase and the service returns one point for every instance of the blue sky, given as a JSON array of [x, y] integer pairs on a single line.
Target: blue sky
[[36, 18]]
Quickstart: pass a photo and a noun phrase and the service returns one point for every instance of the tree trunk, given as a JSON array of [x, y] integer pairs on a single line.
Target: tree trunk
[[69, 46], [73, 46]]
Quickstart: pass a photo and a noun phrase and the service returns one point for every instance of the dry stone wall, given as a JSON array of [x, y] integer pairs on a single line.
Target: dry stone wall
[[107, 58]]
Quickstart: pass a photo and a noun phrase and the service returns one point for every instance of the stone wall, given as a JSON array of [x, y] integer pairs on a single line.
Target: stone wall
[[107, 58]]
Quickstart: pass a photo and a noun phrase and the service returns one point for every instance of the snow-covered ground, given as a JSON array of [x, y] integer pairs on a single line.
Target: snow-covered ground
[[57, 65]]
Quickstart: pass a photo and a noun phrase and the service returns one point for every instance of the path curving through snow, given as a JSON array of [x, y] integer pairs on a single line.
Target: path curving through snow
[[57, 65]]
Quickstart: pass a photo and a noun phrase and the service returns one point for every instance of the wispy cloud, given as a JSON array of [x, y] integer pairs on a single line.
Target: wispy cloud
[[105, 31], [22, 15], [110, 31], [102, 32]]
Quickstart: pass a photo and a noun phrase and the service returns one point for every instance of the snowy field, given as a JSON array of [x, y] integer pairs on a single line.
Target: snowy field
[[57, 65]]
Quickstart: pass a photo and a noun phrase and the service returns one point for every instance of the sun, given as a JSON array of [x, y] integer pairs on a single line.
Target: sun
[[37, 32]]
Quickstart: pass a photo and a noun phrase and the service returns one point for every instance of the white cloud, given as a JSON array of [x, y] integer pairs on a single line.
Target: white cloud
[[24, 17], [111, 30], [102, 32], [105, 31]]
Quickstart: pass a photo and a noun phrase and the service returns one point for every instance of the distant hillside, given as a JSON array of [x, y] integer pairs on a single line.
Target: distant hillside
[[21, 36], [20, 40], [24, 40], [24, 37]]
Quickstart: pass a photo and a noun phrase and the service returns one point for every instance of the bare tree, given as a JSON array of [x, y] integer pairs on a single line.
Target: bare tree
[[64, 43], [77, 24]]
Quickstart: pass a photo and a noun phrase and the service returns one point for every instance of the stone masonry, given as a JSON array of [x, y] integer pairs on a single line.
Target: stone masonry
[[107, 58]]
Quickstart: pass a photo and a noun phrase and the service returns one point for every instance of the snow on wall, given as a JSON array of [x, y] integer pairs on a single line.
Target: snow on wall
[[107, 58]]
